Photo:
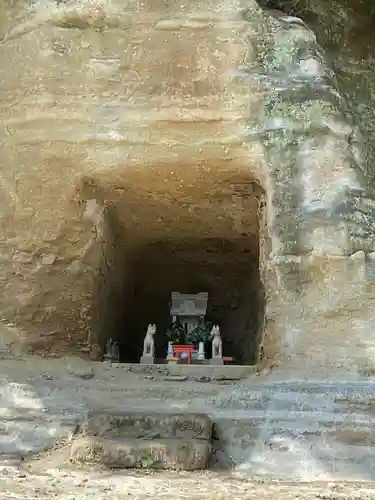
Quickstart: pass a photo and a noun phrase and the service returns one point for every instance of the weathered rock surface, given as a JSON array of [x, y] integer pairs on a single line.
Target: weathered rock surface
[[289, 430], [175, 454], [81, 370]]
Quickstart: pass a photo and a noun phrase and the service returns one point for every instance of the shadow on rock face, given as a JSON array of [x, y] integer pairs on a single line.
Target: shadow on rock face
[[298, 8]]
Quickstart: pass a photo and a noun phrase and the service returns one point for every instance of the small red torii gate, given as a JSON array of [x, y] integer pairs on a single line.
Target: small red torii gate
[[180, 348]]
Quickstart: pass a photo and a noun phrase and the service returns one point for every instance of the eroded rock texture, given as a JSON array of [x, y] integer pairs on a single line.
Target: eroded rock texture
[[138, 440], [209, 144]]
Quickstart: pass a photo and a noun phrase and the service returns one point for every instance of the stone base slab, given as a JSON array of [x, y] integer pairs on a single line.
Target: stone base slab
[[217, 361], [147, 360], [174, 454], [194, 371], [142, 425]]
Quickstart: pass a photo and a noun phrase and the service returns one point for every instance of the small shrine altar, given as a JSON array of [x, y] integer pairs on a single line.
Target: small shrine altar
[[188, 309], [187, 336], [188, 332]]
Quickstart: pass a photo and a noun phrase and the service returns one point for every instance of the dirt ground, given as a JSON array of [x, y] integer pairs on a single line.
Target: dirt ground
[[78, 485], [42, 400]]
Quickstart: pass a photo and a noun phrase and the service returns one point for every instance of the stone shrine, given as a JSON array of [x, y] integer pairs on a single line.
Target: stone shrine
[[188, 309]]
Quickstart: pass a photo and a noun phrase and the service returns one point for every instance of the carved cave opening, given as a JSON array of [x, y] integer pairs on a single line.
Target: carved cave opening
[[139, 271]]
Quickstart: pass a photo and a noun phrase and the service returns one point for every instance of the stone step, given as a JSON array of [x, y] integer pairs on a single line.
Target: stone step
[[146, 425], [177, 454], [143, 439], [327, 443], [284, 429]]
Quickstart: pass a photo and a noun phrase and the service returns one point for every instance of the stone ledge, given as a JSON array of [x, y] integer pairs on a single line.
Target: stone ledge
[[194, 372], [175, 454], [138, 424]]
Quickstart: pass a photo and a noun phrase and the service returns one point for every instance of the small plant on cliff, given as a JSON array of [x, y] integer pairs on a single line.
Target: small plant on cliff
[[146, 461]]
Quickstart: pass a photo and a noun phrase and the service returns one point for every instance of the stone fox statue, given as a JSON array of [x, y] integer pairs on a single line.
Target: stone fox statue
[[149, 343], [217, 344]]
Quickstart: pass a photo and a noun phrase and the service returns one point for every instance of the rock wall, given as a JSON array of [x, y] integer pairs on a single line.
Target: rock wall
[[112, 284], [321, 301], [228, 270], [164, 118], [102, 93]]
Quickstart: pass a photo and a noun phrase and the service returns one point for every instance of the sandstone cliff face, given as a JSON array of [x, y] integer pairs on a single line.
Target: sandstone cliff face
[[122, 125], [344, 28], [333, 297], [135, 124]]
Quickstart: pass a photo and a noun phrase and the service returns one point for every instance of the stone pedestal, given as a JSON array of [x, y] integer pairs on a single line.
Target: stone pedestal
[[217, 360], [170, 351], [147, 360], [201, 354]]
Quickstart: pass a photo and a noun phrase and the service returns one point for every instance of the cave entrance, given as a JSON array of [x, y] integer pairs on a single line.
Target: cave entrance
[[207, 238]]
